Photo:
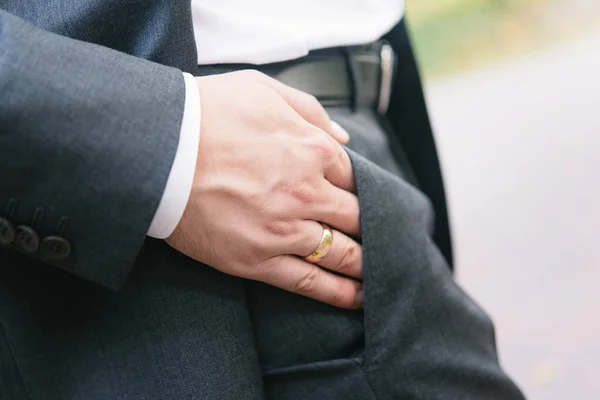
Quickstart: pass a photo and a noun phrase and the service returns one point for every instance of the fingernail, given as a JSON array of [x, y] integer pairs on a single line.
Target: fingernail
[[340, 131], [359, 299]]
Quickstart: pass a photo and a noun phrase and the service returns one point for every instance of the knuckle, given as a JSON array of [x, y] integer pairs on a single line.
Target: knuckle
[[323, 148], [340, 158], [348, 257], [338, 296], [346, 208], [341, 208], [282, 228], [336, 152], [308, 284], [304, 193]]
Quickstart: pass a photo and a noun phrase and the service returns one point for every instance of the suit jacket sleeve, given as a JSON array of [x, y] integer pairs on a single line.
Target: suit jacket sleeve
[[87, 139]]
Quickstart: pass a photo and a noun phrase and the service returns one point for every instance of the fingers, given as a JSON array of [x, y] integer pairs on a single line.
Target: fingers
[[308, 107], [335, 207], [334, 161], [341, 131], [298, 276], [344, 257], [339, 171]]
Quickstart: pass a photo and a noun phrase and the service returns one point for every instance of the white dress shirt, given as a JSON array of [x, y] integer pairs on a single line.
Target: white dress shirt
[[179, 184], [260, 32]]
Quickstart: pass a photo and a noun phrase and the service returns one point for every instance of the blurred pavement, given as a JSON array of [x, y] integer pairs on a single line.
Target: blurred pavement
[[520, 146]]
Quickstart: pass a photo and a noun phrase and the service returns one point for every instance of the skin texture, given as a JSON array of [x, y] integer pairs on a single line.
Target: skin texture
[[270, 165]]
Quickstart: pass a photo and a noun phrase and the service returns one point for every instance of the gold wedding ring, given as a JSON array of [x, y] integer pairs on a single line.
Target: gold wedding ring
[[323, 247]]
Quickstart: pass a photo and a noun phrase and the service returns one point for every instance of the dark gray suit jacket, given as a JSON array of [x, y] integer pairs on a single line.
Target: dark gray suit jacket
[[91, 100]]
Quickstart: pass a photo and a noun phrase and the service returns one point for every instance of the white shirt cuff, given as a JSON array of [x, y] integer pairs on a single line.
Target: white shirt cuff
[[179, 184]]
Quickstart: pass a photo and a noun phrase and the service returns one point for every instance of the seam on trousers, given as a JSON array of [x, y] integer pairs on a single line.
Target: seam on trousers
[[310, 329], [307, 366], [366, 377], [243, 286], [11, 354], [355, 362]]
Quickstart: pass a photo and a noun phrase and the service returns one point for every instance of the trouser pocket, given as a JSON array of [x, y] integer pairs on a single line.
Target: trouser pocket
[[331, 379]]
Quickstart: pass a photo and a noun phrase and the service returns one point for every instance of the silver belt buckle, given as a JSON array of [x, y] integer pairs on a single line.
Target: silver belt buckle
[[386, 62]]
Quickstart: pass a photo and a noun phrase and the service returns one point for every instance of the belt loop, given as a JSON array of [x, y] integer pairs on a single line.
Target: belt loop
[[353, 76]]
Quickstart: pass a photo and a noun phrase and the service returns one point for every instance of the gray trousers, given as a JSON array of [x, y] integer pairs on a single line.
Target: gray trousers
[[419, 336]]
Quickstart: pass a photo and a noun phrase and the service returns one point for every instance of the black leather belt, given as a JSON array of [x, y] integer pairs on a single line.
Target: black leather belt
[[357, 76], [360, 76]]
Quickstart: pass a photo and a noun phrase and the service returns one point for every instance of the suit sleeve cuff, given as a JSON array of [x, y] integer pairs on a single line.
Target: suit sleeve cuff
[[179, 184]]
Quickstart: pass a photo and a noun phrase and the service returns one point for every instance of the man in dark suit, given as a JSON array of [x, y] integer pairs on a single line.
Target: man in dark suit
[[103, 141]]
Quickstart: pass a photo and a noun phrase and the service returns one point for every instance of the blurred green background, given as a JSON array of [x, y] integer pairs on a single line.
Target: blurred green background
[[454, 35], [513, 91]]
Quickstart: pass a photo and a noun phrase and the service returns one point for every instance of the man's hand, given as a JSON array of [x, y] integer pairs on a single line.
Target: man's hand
[[268, 170]]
